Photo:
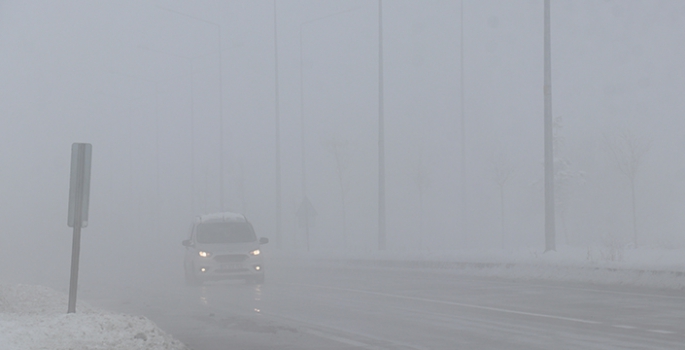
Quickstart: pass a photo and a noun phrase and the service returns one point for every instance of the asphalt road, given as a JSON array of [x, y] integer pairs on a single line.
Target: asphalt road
[[308, 305]]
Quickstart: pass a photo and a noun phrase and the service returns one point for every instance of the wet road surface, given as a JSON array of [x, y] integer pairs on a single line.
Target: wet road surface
[[315, 305]]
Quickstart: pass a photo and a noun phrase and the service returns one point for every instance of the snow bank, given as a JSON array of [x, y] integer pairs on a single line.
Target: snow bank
[[653, 267], [34, 317]]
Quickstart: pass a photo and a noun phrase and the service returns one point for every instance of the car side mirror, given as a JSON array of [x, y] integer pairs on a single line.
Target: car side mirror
[[263, 240], [187, 243]]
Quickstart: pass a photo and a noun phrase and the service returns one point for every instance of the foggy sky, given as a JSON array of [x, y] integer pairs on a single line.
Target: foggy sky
[[131, 78]]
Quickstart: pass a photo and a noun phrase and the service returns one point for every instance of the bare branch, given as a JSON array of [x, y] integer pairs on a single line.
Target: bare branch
[[502, 169], [627, 152]]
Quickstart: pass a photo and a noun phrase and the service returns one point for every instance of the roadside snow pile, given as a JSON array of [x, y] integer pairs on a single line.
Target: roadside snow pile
[[663, 268], [34, 317]]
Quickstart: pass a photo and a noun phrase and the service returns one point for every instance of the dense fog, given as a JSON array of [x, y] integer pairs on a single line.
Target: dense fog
[[148, 84]]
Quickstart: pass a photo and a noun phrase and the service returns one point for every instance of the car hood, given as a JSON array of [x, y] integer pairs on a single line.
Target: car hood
[[232, 248]]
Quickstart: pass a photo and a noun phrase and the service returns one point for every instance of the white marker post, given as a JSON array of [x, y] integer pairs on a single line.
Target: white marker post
[[79, 192]]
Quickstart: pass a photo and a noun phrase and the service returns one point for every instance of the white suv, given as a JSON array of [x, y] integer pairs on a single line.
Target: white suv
[[223, 246]]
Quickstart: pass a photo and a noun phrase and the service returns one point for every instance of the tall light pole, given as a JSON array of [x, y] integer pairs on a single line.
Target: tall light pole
[[192, 141], [304, 164], [462, 122], [550, 243], [221, 102], [381, 136], [278, 133]]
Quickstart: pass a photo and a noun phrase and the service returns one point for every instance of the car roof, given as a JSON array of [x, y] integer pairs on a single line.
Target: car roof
[[221, 217]]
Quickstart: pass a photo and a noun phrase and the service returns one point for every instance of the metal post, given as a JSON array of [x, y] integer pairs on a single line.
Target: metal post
[[550, 243], [192, 142], [278, 134], [221, 121], [157, 192], [75, 253], [76, 241], [304, 168], [462, 120], [381, 136]]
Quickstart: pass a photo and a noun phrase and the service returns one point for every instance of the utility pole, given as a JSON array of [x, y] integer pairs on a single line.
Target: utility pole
[[304, 164], [381, 136], [192, 142], [221, 122], [463, 128], [278, 135], [550, 243]]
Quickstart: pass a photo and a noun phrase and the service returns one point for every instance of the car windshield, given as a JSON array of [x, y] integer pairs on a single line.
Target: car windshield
[[225, 232]]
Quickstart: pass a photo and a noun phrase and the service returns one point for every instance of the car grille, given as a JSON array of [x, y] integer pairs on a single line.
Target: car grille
[[230, 258], [231, 270]]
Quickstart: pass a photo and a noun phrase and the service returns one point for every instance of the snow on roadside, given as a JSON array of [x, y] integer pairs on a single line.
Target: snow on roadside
[[34, 317], [651, 267]]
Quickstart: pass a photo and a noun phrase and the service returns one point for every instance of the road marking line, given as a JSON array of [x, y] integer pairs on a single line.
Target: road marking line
[[326, 330], [472, 306], [480, 307], [622, 326], [342, 340], [632, 294]]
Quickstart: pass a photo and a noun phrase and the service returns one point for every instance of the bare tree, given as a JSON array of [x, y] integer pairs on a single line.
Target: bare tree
[[503, 170], [340, 151], [421, 180], [627, 151], [565, 177]]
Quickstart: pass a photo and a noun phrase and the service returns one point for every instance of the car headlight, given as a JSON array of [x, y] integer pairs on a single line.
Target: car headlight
[[255, 252], [205, 254]]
